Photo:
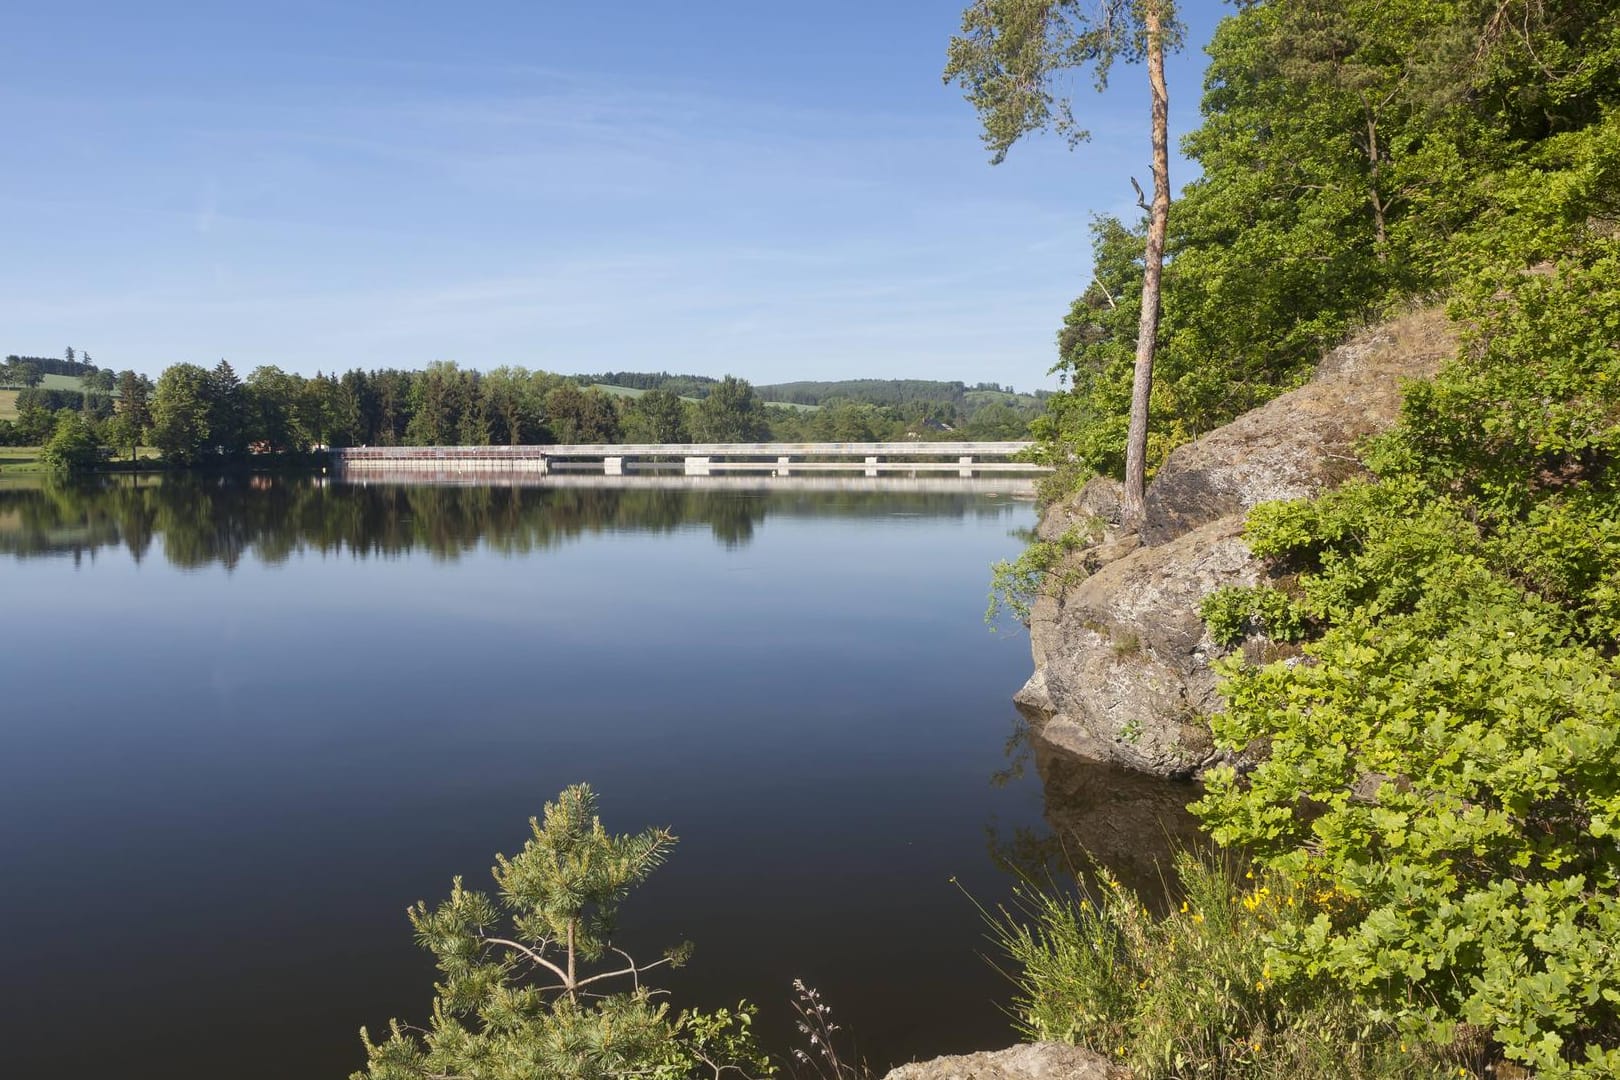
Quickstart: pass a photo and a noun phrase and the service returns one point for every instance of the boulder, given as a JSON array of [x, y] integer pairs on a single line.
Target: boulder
[[1093, 510], [1301, 442], [1032, 1061], [1122, 660], [1123, 657]]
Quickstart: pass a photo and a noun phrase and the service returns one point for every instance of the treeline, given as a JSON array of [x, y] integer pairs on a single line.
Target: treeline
[[195, 415], [952, 404], [1352, 155], [25, 371], [693, 386], [1427, 691], [96, 403], [878, 391]]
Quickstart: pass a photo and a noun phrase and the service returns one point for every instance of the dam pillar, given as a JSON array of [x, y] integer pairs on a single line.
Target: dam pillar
[[613, 466], [697, 466], [966, 466], [782, 466], [871, 466]]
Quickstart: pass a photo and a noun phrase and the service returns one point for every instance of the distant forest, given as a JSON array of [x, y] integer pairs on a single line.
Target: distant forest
[[81, 413], [689, 386], [963, 401], [893, 392], [17, 368]]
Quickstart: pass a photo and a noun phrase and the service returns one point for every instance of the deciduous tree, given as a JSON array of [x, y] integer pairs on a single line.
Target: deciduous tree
[[181, 414], [732, 413], [658, 416]]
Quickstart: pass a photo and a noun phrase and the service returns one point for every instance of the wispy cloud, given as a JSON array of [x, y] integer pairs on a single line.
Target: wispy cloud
[[568, 223]]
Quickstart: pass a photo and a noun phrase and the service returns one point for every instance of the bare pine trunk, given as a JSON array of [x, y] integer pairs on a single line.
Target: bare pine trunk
[[1381, 233], [1134, 509], [573, 984]]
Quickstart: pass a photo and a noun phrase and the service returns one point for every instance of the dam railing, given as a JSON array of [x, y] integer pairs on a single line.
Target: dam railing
[[909, 459]]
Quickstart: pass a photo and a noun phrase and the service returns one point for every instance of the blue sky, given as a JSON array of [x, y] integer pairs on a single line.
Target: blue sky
[[772, 190]]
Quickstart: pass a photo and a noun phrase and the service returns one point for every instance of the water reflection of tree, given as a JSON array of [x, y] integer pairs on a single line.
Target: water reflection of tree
[[1125, 821], [209, 519]]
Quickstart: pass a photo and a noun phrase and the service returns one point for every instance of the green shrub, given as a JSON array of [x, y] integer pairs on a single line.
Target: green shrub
[[1447, 758], [1194, 993], [522, 995], [1015, 583], [75, 444], [1233, 612]]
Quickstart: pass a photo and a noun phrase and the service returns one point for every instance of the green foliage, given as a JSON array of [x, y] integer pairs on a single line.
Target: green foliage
[[1193, 993], [1446, 761], [514, 1001], [131, 422], [74, 446], [581, 416], [1233, 612], [1013, 55], [181, 414], [657, 416], [731, 412], [33, 425], [1442, 764], [1351, 155], [217, 419], [1015, 584], [694, 386], [32, 369], [438, 396], [226, 402]]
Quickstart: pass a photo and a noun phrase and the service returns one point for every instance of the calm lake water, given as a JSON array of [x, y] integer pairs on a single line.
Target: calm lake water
[[246, 723]]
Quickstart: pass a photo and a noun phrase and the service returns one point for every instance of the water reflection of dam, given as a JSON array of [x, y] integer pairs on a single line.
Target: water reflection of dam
[[1010, 486]]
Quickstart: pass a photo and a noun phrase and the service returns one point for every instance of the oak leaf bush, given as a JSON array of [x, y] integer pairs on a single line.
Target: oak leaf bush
[[1447, 755]]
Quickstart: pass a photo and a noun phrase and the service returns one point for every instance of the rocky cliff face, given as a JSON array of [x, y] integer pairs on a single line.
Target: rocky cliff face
[[1122, 660]]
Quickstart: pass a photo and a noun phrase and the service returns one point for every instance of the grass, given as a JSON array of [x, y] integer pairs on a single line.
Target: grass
[[24, 460], [623, 391], [61, 382], [58, 382], [636, 391], [8, 395], [1193, 993], [19, 460]]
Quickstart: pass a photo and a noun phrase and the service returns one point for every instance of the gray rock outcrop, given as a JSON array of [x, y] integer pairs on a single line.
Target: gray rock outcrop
[[1122, 659], [1032, 1061]]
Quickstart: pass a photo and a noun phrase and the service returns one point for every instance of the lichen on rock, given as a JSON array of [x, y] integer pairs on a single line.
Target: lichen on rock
[[1122, 658], [1031, 1061]]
